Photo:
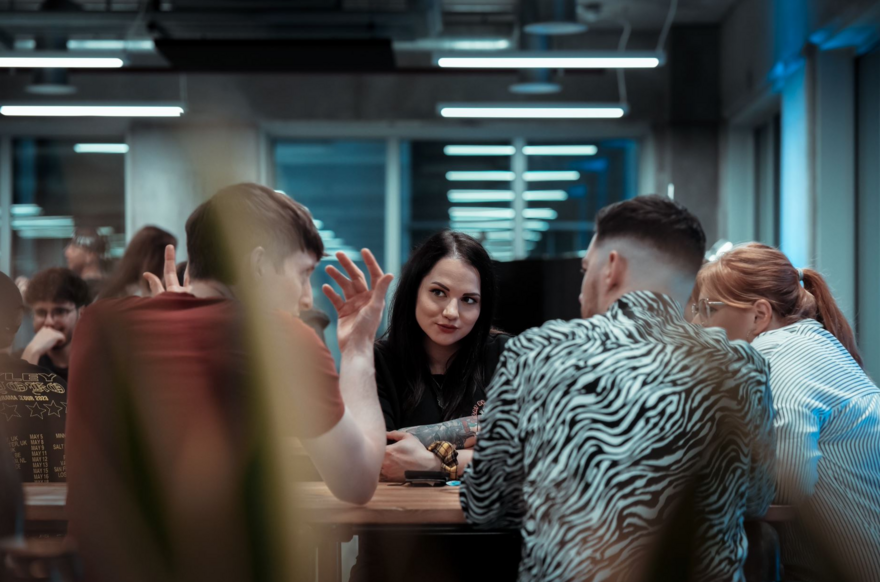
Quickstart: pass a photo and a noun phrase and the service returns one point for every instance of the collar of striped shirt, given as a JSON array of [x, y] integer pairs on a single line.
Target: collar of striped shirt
[[657, 304]]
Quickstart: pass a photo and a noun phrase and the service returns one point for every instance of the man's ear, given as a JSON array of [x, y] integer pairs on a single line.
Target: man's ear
[[763, 317], [257, 262], [615, 271]]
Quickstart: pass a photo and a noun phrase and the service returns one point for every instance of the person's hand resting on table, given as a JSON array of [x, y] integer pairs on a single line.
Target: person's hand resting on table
[[406, 454]]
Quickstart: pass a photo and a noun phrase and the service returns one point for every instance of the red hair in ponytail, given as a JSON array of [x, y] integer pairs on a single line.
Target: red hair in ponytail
[[754, 271]]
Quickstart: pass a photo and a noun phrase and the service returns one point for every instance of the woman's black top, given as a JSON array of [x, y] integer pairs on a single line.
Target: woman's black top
[[394, 392]]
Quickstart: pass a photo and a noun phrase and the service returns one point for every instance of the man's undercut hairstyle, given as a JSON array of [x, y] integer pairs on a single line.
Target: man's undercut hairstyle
[[658, 222], [254, 216], [57, 285]]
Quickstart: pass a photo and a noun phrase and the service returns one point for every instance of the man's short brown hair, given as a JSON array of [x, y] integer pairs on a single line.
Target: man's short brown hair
[[59, 286], [253, 216]]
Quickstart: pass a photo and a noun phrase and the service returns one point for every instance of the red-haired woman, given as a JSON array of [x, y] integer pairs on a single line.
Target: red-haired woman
[[827, 409]]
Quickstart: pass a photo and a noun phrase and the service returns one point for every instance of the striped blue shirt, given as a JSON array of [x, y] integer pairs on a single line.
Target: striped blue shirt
[[828, 452]]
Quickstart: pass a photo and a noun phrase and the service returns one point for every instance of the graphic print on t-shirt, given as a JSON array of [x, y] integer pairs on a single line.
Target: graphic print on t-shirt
[[33, 410]]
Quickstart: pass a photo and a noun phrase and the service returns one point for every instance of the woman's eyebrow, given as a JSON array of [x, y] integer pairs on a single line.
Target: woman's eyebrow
[[471, 295], [439, 284]]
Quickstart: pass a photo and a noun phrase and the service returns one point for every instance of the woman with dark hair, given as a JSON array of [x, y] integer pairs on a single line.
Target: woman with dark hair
[[433, 366], [438, 355], [145, 254]]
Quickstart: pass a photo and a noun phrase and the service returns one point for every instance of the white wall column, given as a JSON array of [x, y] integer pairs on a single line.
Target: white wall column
[[736, 206], [171, 170], [6, 205], [796, 203]]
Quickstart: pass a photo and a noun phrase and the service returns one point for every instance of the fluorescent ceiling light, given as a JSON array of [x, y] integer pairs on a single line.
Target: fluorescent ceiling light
[[91, 111], [462, 214], [540, 213], [37, 60], [490, 176], [28, 222], [465, 196], [110, 45], [545, 195], [552, 60], [326, 234], [508, 235], [101, 148], [561, 150], [532, 111], [537, 225], [488, 225], [26, 210], [551, 176], [319, 224], [453, 44], [479, 150]]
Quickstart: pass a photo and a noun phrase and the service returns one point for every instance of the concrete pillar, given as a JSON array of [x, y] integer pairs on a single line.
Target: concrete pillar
[[171, 170]]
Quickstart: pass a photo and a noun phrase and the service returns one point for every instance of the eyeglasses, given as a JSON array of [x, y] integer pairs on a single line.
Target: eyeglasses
[[56, 312], [705, 309]]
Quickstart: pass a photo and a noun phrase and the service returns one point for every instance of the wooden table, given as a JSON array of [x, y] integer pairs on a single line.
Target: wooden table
[[393, 508]]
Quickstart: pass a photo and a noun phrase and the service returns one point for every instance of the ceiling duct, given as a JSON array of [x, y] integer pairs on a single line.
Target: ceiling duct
[[52, 81], [536, 81], [551, 17]]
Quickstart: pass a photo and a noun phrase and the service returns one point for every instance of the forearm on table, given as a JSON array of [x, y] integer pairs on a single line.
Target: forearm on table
[[464, 459], [357, 384], [461, 432]]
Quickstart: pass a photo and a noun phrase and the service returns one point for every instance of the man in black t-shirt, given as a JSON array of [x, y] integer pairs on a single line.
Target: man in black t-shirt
[[57, 297], [33, 401]]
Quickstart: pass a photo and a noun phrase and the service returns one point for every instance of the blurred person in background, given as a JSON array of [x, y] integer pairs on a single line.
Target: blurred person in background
[[145, 254], [171, 433], [827, 408], [606, 437], [438, 355], [56, 297], [86, 255], [33, 402]]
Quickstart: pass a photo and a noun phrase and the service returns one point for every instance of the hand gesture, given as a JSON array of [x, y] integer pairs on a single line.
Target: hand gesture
[[44, 340], [407, 454], [361, 311], [172, 284]]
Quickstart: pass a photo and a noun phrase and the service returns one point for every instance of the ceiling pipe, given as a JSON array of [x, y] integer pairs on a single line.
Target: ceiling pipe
[[552, 18]]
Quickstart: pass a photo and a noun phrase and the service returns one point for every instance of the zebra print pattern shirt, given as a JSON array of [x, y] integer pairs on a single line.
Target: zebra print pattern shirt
[[828, 429], [595, 429]]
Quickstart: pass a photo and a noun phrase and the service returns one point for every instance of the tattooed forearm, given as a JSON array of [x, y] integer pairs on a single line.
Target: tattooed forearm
[[461, 432]]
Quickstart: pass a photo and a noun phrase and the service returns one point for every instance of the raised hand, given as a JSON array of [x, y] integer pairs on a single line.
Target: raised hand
[[172, 283], [360, 312]]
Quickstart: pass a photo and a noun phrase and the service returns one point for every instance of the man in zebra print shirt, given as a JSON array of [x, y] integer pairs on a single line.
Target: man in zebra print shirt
[[628, 444]]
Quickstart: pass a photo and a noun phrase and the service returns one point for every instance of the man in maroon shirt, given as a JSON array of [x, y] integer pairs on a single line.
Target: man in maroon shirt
[[177, 402]]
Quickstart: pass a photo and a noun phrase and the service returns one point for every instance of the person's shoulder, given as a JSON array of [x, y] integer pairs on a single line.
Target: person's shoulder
[[554, 332], [726, 353]]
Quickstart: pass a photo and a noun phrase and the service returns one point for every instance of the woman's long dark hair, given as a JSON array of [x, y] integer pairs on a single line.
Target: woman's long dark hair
[[145, 254], [406, 339]]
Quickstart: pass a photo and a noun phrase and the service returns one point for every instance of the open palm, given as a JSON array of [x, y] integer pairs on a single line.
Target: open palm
[[360, 311]]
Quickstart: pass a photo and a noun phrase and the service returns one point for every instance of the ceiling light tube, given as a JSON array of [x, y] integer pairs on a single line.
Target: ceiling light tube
[[91, 110], [470, 196], [479, 150], [551, 60], [538, 225], [545, 196], [462, 214], [489, 176], [57, 60], [552, 176], [487, 225], [101, 148], [540, 213], [532, 110], [560, 150]]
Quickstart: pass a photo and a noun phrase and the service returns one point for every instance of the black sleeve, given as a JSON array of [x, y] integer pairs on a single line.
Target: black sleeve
[[385, 385], [494, 349]]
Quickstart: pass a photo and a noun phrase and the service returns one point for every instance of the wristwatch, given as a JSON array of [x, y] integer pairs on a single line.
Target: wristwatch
[[448, 456]]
